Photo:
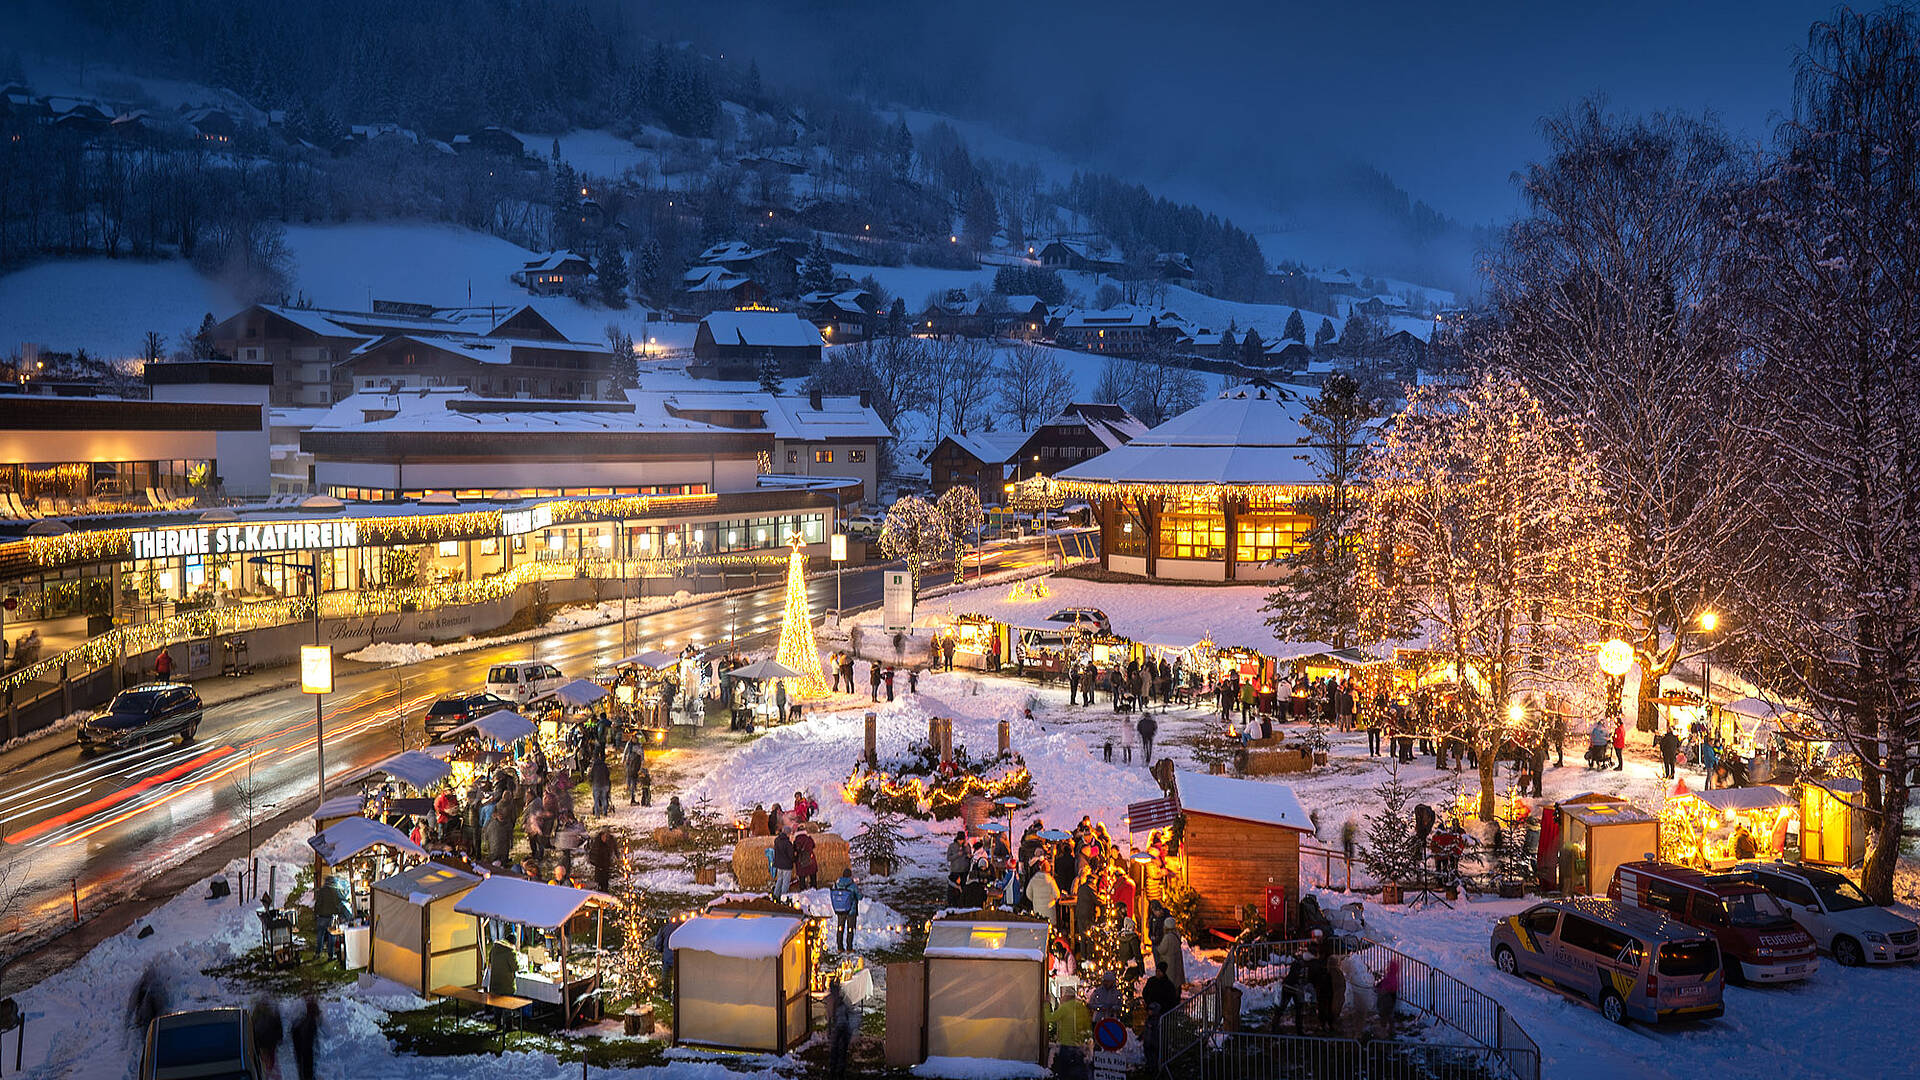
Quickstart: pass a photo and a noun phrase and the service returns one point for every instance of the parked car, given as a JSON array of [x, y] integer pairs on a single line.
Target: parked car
[[201, 1043], [866, 524], [520, 683], [1761, 941], [456, 709], [1841, 919], [1632, 964], [142, 713], [1083, 618]]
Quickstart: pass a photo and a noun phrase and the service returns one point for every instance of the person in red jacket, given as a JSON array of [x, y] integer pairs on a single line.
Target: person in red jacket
[[163, 665], [1619, 744], [446, 809]]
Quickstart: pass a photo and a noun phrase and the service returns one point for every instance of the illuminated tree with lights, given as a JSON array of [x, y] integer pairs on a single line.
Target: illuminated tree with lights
[[917, 532], [1486, 526], [960, 506], [799, 649], [1103, 952], [637, 964]]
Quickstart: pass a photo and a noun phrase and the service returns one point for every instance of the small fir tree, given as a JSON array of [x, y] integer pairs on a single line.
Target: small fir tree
[[816, 268], [769, 375], [879, 840], [1324, 333], [1296, 328], [1389, 850]]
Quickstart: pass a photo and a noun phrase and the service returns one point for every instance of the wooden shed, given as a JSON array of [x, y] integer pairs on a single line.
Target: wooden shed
[[419, 941], [1597, 833], [1833, 827], [1241, 838], [986, 987], [741, 974]]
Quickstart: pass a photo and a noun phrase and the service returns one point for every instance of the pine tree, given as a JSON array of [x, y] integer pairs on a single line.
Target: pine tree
[[611, 269], [900, 150], [1296, 328], [1324, 333], [816, 269], [637, 963], [897, 323], [1320, 599], [625, 367], [769, 375], [1253, 351], [203, 346], [1389, 852], [647, 266]]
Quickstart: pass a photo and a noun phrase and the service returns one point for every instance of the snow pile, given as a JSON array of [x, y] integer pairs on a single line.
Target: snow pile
[[878, 926], [1157, 614], [394, 654]]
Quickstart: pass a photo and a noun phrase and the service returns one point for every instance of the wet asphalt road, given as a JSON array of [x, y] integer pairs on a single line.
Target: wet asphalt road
[[105, 825]]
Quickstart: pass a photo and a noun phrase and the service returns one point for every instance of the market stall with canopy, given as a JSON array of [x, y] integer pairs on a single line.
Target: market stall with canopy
[[480, 745], [419, 940], [531, 953], [986, 993], [762, 704], [364, 850], [1705, 828], [740, 980]]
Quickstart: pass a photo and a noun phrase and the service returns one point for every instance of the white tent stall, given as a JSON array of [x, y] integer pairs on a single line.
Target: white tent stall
[[418, 769], [542, 966], [740, 981], [986, 987], [365, 849], [419, 940], [505, 727]]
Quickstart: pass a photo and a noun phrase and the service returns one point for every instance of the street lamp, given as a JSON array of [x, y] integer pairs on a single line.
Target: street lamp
[[1616, 657], [316, 665], [837, 551], [1709, 622]]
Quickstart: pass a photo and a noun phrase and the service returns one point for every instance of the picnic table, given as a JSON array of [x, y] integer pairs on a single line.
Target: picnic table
[[499, 1005]]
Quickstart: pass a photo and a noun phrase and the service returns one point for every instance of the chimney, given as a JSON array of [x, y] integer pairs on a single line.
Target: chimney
[[813, 398], [866, 399]]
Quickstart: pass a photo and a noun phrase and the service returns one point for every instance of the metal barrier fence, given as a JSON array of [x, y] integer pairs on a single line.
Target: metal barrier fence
[[1423, 987], [1240, 1055]]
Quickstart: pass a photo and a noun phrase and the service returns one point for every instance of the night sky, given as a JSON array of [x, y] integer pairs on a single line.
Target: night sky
[[1276, 96]]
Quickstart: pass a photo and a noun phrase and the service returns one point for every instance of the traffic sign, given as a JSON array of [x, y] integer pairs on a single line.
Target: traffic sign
[[1110, 1034]]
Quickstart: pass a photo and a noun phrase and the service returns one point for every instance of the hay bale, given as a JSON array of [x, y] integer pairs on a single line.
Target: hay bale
[[750, 859], [669, 838]]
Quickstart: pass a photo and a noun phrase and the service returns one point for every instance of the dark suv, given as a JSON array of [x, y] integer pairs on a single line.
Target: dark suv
[[141, 713], [456, 709]]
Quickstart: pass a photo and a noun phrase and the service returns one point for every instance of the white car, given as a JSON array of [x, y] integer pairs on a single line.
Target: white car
[[866, 524], [1841, 919], [527, 681]]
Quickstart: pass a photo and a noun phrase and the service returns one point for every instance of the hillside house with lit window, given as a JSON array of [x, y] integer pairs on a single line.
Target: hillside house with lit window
[[1126, 330], [556, 273], [982, 461], [1210, 495]]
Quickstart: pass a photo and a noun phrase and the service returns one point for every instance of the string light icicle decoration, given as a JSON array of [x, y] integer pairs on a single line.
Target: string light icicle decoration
[[799, 649]]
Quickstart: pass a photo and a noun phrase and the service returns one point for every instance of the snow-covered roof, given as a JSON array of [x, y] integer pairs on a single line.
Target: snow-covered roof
[[417, 769], [712, 279], [990, 447], [1744, 798], [505, 726], [1113, 425], [1248, 435], [976, 939], [553, 260], [778, 329], [732, 251], [745, 937], [352, 836], [1023, 303], [1123, 317], [580, 692], [483, 350], [837, 418], [532, 903], [1243, 800], [428, 881]]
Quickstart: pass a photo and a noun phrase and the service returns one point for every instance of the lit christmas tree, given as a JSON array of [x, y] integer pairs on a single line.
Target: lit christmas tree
[[1105, 948], [798, 648], [637, 963]]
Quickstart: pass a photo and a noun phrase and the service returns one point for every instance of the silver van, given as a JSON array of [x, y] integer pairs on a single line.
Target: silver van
[[1632, 963]]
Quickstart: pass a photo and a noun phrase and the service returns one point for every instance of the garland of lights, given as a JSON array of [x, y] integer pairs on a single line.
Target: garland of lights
[[1170, 489], [894, 788], [120, 642]]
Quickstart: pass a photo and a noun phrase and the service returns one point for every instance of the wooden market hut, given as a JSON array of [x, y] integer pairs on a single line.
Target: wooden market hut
[[741, 975], [419, 940], [518, 904], [984, 994], [1241, 838], [1597, 833], [358, 845], [1833, 824]]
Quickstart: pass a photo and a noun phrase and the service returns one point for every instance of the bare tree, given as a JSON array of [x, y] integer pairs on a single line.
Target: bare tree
[[1160, 385], [1613, 304], [1033, 384], [1834, 259], [959, 388], [1115, 384]]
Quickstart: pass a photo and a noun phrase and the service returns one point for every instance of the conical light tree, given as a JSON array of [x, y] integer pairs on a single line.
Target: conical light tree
[[799, 649]]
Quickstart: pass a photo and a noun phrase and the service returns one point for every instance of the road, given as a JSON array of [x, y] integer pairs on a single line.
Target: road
[[106, 825]]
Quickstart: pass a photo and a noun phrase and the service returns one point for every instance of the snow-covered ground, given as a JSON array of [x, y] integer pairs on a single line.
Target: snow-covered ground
[[1160, 614], [59, 305], [1840, 1022]]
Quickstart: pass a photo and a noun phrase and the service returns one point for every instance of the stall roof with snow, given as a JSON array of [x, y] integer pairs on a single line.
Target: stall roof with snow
[[530, 903], [1240, 837], [742, 939], [580, 693], [420, 939], [1726, 800], [417, 769], [505, 726], [348, 837]]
